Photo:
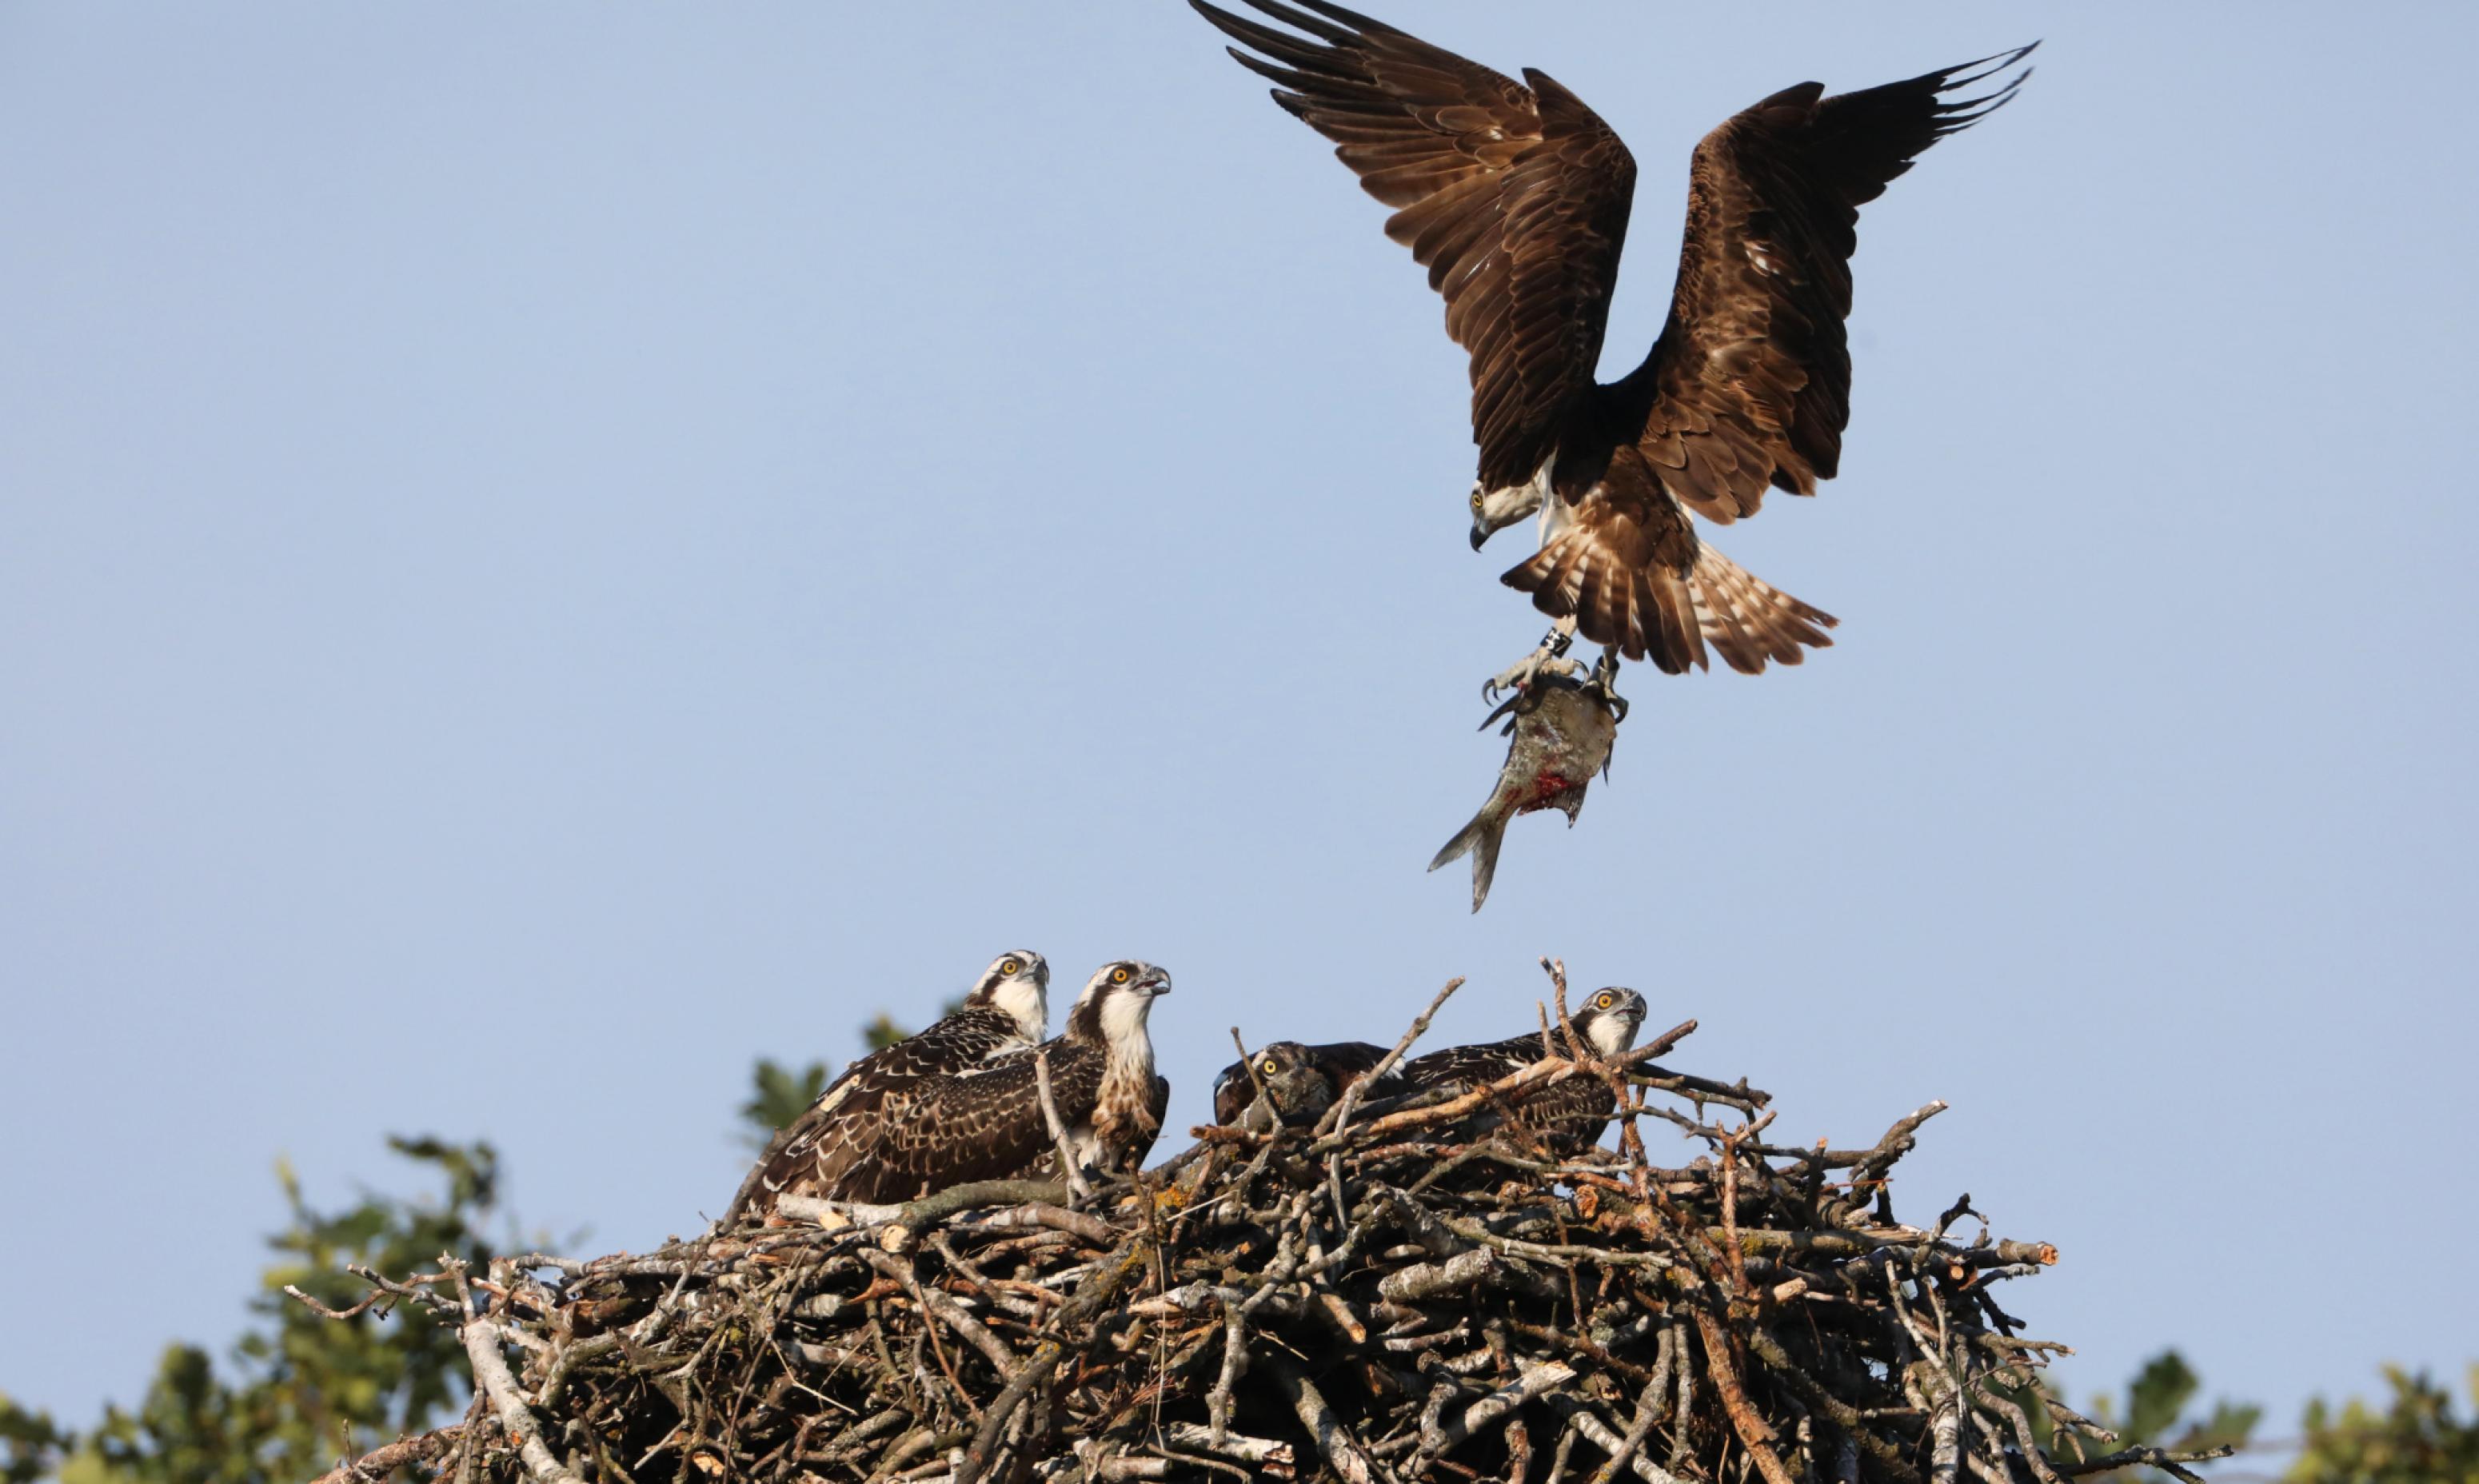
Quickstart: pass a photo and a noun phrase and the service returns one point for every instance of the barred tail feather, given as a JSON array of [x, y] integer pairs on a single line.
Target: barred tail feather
[[1652, 611], [1647, 610], [1749, 619]]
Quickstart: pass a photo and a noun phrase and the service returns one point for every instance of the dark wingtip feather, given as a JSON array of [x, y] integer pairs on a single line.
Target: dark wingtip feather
[[1962, 113], [1332, 35], [1367, 25], [1279, 44], [1962, 75]]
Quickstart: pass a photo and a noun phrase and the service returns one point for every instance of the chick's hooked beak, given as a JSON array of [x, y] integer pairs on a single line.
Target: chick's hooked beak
[[1155, 984]]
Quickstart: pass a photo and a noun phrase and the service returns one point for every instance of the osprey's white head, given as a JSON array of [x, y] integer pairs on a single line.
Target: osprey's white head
[[1018, 982], [1610, 1019], [1495, 510], [1116, 1001]]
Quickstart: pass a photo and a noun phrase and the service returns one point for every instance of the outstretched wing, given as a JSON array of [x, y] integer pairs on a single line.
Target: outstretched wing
[[1515, 198], [983, 1124], [1749, 383]]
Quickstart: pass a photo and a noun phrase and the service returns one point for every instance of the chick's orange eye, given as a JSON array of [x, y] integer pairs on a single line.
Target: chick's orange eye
[[1119, 975], [1604, 1001], [1009, 966]]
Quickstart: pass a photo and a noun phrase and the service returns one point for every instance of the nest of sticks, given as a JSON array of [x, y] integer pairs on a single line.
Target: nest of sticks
[[1413, 1289]]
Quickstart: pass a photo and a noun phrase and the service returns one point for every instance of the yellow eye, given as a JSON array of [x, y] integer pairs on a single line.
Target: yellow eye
[[1009, 966], [1267, 1066], [1476, 502], [1604, 1000], [1119, 975]]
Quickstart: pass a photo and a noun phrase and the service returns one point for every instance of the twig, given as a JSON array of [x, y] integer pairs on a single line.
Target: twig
[[1335, 1442], [482, 1340], [1338, 1116], [380, 1462], [986, 1441], [1755, 1435]]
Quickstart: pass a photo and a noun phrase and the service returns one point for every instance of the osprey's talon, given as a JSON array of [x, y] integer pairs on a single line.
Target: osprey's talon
[[1519, 677], [1604, 680]]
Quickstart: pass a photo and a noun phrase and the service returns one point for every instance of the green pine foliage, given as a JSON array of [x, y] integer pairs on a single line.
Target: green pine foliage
[[779, 1095], [2414, 1438], [30, 1444], [2155, 1411], [298, 1391]]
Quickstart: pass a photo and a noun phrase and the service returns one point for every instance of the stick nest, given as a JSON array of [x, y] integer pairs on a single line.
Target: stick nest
[[1413, 1290]]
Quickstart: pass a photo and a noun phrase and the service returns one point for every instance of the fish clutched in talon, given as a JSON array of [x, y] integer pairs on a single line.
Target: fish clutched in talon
[[1563, 728]]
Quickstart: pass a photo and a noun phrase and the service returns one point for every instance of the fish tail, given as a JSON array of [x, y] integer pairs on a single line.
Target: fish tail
[[1480, 839]]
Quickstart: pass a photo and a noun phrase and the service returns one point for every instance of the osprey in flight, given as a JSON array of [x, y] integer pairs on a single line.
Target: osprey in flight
[[1572, 1114], [984, 1121], [1006, 1010], [1515, 197]]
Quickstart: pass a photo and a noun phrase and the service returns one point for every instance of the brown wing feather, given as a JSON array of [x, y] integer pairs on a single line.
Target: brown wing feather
[[1624, 566], [1471, 1065], [1515, 198], [1140, 1144], [810, 1154], [1750, 383], [1571, 1115], [985, 1124]]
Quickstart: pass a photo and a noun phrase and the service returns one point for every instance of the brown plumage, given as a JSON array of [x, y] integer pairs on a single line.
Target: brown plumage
[[1570, 1115], [1006, 1008], [985, 1122], [1299, 1083], [1516, 196]]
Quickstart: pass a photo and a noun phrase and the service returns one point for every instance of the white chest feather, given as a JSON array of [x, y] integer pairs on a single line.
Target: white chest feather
[[1123, 1032], [1556, 515]]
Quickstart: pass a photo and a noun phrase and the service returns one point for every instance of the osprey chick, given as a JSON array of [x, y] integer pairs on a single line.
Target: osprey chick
[[1293, 1084], [985, 1122], [1008, 1008], [1570, 1115]]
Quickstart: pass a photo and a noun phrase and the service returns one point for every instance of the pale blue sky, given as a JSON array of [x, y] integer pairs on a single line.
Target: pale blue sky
[[548, 551]]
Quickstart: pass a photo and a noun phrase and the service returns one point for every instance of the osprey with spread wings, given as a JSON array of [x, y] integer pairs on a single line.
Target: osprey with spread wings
[[1515, 197]]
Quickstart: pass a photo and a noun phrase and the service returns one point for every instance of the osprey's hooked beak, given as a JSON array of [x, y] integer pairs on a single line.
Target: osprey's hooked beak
[[1155, 984], [1480, 535]]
